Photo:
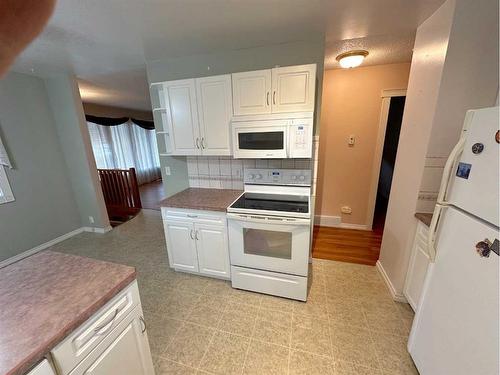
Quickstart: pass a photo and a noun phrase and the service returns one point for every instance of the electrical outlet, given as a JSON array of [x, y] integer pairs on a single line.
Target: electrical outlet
[[167, 171], [346, 210], [91, 219], [351, 140]]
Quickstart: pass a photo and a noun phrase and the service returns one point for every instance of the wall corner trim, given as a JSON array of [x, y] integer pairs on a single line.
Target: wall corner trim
[[40, 247], [395, 296]]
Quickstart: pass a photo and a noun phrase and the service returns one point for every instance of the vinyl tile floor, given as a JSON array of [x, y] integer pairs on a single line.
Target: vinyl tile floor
[[197, 325]]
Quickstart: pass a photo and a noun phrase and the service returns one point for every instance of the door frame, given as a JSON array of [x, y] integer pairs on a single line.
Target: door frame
[[386, 96]]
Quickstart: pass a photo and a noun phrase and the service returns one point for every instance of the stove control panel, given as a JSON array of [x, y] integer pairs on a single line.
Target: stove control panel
[[264, 176]]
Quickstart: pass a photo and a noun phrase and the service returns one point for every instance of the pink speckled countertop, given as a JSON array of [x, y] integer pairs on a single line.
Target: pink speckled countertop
[[45, 297], [202, 199]]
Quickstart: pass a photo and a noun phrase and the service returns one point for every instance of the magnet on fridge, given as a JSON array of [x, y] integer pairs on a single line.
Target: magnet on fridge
[[477, 148], [497, 136], [463, 170]]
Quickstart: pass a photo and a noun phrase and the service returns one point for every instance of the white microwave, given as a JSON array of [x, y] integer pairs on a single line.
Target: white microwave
[[273, 136]]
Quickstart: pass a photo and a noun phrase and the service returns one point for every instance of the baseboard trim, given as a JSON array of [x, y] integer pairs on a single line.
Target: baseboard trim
[[336, 222], [395, 296], [97, 230], [41, 247], [45, 245]]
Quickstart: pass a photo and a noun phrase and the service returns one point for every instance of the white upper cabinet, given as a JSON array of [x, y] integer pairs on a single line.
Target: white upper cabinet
[[293, 88], [252, 92], [213, 95], [277, 90], [182, 117]]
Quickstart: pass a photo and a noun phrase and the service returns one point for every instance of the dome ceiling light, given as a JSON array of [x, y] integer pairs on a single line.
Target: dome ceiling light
[[351, 59]]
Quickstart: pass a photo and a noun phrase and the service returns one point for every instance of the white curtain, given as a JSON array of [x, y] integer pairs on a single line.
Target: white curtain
[[125, 146]]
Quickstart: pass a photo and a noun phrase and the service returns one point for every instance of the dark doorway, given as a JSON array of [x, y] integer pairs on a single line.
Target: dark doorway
[[391, 141]]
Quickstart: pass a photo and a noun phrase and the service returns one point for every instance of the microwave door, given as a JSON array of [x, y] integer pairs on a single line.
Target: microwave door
[[260, 142]]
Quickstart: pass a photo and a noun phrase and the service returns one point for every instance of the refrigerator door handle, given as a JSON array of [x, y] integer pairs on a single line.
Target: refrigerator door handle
[[431, 237], [447, 171]]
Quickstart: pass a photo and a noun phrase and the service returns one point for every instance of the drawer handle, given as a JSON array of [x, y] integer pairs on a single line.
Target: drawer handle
[[144, 323], [193, 216], [101, 330]]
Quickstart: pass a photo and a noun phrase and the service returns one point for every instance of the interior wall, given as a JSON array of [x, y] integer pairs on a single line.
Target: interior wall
[[108, 111], [225, 62], [67, 109], [454, 68], [44, 206], [351, 104]]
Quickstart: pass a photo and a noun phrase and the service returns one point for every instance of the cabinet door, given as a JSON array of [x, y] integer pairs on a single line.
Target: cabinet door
[[182, 117], [213, 252], [213, 95], [43, 368], [293, 88], [417, 269], [128, 352], [181, 245], [252, 92]]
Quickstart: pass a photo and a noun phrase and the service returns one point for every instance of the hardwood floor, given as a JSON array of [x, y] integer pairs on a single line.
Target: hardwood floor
[[347, 245], [152, 194]]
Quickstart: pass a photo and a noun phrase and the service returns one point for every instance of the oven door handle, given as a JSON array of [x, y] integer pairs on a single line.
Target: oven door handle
[[263, 219]]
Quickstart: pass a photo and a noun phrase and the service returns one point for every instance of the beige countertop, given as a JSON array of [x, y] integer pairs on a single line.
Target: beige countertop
[[424, 217], [45, 297], [202, 199]]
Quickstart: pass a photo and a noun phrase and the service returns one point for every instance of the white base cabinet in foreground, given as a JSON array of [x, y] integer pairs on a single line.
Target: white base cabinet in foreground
[[113, 341], [417, 269], [197, 241]]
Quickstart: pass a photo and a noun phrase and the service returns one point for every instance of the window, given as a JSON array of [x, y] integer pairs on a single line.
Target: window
[[5, 191]]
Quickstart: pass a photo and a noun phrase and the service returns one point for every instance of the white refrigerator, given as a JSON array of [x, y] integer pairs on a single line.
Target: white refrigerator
[[456, 325]]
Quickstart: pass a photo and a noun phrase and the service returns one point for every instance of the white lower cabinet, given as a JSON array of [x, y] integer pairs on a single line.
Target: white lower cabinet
[[197, 241], [417, 268], [43, 368], [124, 351], [113, 341]]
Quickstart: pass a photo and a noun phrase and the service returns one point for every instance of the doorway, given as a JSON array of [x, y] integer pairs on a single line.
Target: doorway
[[395, 109]]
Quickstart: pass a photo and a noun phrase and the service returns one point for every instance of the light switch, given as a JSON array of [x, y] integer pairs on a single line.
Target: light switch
[[167, 171], [351, 140]]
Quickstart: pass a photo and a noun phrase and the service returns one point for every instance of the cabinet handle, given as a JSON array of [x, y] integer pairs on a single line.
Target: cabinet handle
[[267, 98], [98, 331], [197, 142], [191, 234], [203, 143], [196, 235], [191, 215], [144, 324], [274, 97]]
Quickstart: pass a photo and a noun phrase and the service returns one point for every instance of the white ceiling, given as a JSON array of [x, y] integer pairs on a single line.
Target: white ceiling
[[106, 43]]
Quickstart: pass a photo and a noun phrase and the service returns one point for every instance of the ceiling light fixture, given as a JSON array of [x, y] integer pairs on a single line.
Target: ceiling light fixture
[[351, 59]]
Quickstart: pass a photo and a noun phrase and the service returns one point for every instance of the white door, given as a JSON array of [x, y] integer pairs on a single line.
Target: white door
[[252, 92], [455, 330], [127, 354], [181, 246], [213, 252], [183, 117], [293, 88], [214, 100], [474, 187]]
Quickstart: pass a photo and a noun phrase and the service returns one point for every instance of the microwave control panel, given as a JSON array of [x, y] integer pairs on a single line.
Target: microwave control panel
[[300, 140]]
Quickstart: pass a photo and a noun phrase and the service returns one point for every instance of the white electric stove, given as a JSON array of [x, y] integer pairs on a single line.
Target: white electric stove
[[269, 232]]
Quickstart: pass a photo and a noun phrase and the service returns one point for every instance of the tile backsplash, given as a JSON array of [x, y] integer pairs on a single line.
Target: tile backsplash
[[224, 172], [227, 173], [431, 181]]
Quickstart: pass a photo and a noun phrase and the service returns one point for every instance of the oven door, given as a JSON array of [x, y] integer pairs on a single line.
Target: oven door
[[269, 243], [256, 141]]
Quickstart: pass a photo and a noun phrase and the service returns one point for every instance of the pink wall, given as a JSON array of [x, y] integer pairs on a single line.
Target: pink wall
[[351, 105]]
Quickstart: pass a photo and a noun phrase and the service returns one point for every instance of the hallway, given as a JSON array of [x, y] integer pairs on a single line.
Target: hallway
[[152, 194]]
